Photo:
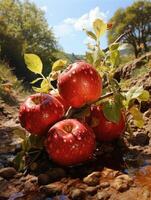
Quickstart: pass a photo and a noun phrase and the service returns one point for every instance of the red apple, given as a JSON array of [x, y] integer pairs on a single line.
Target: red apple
[[79, 84], [39, 111], [104, 129], [70, 142], [60, 99]]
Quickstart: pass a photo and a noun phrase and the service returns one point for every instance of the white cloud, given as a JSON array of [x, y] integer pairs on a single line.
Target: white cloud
[[44, 8], [69, 25], [62, 30]]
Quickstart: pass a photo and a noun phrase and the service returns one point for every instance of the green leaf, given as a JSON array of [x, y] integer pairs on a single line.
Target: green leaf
[[115, 58], [112, 111], [137, 116], [44, 87], [144, 96], [36, 89], [59, 64], [91, 47], [99, 27], [26, 145], [97, 57], [33, 63], [89, 57], [36, 80], [134, 92], [91, 34], [115, 85], [119, 98], [19, 161], [36, 142]]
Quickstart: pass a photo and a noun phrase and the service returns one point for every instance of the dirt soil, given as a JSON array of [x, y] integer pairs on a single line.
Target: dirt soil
[[120, 170]]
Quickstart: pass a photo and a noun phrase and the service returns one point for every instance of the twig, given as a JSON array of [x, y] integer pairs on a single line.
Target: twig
[[119, 38]]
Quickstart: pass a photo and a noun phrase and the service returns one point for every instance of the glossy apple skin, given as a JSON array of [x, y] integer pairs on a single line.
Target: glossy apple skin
[[106, 130], [60, 99], [79, 84], [70, 142], [39, 111]]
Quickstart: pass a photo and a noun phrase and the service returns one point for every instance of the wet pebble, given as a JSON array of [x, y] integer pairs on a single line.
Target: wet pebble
[[18, 175], [103, 195], [122, 183], [92, 190], [104, 184], [78, 194], [92, 179], [43, 179], [52, 188], [8, 172], [56, 174]]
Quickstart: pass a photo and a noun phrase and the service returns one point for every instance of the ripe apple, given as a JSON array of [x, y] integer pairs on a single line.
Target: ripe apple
[[104, 129], [60, 99], [79, 84], [39, 111], [70, 142]]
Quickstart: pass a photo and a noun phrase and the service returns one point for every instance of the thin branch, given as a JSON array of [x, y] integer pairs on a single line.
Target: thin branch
[[119, 38]]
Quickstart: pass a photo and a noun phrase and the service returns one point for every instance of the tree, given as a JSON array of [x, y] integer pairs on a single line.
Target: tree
[[137, 19], [23, 28]]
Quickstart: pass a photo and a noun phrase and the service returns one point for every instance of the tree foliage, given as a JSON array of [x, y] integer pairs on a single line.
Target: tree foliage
[[137, 19], [23, 29]]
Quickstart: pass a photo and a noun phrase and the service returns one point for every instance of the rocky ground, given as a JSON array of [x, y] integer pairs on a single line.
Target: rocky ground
[[119, 171]]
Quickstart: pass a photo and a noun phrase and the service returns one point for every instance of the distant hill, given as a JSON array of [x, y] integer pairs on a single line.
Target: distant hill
[[73, 57]]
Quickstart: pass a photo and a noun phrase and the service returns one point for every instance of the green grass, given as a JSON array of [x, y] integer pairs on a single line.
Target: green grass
[[11, 88]]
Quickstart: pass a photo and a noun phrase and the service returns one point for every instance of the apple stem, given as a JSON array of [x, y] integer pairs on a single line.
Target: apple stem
[[71, 111], [108, 95]]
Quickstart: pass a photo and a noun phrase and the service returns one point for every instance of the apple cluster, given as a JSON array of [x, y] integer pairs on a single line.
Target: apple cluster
[[70, 141]]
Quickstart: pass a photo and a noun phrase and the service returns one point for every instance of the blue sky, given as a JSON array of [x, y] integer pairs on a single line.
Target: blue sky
[[68, 17]]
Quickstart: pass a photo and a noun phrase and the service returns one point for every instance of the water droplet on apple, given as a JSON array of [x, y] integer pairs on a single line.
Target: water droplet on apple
[[91, 72], [79, 138], [74, 80], [55, 136]]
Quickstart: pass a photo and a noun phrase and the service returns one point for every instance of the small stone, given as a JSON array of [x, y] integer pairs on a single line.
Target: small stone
[[78, 194], [18, 175], [122, 183], [104, 184], [102, 195], [92, 179], [43, 179], [56, 174], [52, 188], [8, 172], [110, 173], [91, 190]]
